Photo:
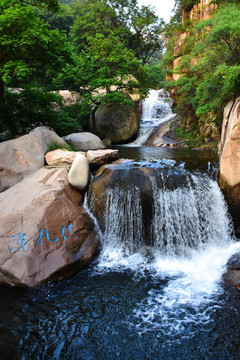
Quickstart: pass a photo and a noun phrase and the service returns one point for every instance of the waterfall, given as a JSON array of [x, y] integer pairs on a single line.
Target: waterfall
[[187, 242], [188, 213], [156, 109]]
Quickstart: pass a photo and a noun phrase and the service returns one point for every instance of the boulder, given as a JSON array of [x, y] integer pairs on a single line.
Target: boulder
[[60, 157], [79, 173], [118, 122], [232, 275], [44, 231], [102, 157], [84, 141], [229, 153], [24, 155], [164, 135]]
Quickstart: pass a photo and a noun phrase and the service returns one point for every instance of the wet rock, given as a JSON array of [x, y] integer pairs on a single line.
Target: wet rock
[[84, 141], [44, 231], [101, 157], [24, 155], [79, 173], [232, 274]]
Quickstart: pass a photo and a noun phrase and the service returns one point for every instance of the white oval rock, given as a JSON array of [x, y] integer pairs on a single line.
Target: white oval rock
[[79, 173]]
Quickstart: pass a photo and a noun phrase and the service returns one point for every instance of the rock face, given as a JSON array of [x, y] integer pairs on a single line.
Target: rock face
[[44, 232], [79, 173], [117, 122], [229, 150], [84, 141], [24, 155]]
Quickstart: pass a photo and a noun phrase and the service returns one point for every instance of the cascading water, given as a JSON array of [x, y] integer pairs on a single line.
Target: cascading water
[[156, 109], [188, 242]]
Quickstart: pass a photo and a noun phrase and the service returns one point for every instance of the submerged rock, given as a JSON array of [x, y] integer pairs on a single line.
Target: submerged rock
[[44, 231], [24, 155]]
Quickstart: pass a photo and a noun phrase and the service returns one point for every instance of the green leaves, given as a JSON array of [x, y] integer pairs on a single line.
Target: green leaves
[[210, 63]]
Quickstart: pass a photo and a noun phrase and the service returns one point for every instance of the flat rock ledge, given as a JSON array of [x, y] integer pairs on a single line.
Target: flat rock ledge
[[44, 231], [96, 158]]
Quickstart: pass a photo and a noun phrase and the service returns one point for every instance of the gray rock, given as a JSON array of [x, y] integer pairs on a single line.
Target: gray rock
[[24, 155], [84, 141]]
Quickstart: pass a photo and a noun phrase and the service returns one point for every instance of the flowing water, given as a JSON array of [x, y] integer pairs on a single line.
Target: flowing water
[[156, 109], [154, 290]]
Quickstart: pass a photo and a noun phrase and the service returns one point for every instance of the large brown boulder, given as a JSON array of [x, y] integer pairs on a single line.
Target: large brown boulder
[[117, 122], [229, 149], [44, 231], [24, 155]]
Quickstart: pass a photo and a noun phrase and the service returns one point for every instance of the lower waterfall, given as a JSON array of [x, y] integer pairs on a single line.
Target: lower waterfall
[[186, 245]]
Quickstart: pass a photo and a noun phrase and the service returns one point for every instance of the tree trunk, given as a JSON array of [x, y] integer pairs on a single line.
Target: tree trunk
[[4, 112]]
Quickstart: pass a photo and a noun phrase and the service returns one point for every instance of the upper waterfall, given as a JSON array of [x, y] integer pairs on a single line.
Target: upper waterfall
[[156, 109]]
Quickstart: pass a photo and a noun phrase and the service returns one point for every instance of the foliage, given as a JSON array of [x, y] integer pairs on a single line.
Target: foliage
[[29, 52], [105, 70], [83, 46], [210, 64], [191, 137], [34, 106], [138, 27], [155, 75], [55, 145]]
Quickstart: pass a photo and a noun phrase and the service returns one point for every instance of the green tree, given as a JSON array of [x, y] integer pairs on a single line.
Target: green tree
[[29, 52], [107, 66], [210, 64], [138, 27]]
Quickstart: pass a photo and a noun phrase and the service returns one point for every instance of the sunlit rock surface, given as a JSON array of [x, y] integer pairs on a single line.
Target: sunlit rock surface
[[24, 155], [229, 151], [79, 173], [44, 231]]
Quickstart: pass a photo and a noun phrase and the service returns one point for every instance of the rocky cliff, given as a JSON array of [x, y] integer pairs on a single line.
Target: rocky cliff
[[229, 150]]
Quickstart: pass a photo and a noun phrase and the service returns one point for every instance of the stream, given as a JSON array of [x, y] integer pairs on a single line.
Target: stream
[[155, 289]]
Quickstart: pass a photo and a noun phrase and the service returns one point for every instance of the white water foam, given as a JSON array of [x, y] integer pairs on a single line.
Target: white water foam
[[189, 298]]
